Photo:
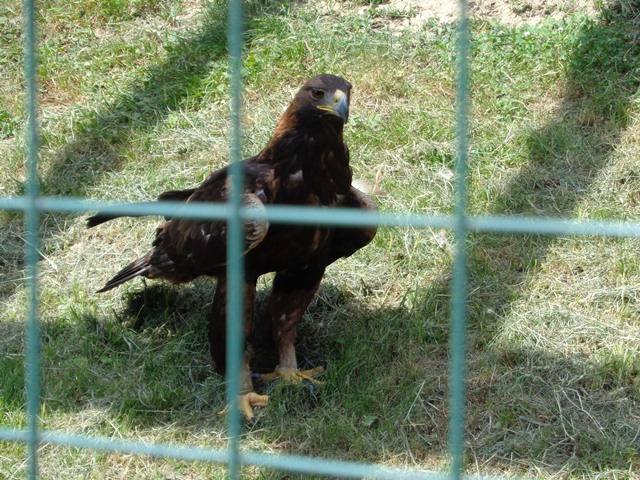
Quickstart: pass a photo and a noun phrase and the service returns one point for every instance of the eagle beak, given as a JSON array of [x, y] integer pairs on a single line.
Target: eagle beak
[[337, 104]]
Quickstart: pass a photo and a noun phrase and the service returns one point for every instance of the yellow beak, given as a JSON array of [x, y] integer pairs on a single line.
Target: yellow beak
[[336, 104]]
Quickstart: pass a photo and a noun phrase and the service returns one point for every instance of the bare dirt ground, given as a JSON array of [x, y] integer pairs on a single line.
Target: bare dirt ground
[[414, 13]]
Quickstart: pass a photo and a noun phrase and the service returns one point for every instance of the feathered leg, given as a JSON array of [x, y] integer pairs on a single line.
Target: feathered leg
[[291, 294], [294, 289], [217, 343]]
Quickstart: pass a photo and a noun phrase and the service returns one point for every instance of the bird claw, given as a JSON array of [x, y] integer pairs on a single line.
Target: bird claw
[[246, 403], [295, 376]]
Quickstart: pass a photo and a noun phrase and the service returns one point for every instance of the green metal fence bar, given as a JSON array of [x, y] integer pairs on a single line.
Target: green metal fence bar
[[283, 462], [343, 217], [31, 221], [459, 280], [235, 262]]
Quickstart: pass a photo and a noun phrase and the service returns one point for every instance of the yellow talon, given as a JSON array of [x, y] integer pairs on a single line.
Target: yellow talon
[[250, 400], [295, 376], [246, 402]]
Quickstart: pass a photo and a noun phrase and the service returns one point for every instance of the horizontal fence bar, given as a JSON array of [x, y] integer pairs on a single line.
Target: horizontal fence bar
[[553, 226], [336, 216], [276, 461]]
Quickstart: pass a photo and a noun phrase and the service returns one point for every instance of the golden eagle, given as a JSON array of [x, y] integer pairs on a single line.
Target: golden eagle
[[306, 162]]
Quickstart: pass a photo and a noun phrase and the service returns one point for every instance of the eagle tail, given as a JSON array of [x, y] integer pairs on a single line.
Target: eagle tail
[[141, 266], [171, 195], [98, 219]]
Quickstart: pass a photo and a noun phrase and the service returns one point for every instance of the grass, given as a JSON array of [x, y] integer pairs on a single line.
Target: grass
[[133, 101]]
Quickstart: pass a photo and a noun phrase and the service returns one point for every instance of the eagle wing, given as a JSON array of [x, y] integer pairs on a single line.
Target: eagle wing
[[184, 249]]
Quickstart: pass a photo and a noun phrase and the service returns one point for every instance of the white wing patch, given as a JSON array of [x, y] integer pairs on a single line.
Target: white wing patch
[[204, 233], [296, 177]]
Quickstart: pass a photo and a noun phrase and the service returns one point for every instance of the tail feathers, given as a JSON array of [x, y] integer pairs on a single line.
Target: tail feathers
[[105, 217], [171, 195], [141, 266], [98, 219]]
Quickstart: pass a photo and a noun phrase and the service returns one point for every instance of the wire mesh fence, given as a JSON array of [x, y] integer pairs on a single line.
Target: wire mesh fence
[[32, 204]]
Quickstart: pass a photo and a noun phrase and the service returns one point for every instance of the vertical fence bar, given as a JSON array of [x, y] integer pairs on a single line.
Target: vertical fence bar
[[235, 267], [459, 287], [31, 216]]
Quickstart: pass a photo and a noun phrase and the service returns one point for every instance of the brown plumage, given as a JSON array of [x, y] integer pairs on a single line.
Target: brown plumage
[[306, 162]]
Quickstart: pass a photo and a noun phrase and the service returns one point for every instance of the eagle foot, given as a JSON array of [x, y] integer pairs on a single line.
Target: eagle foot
[[295, 376], [246, 403]]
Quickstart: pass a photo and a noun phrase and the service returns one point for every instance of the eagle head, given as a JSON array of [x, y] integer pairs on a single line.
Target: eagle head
[[308, 138], [324, 96]]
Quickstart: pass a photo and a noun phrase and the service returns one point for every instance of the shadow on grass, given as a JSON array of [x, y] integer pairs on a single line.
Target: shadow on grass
[[149, 363], [566, 156], [161, 89], [100, 141], [132, 364], [148, 366]]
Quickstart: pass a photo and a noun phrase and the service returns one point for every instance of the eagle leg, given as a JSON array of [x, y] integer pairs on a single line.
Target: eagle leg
[[248, 398], [292, 292]]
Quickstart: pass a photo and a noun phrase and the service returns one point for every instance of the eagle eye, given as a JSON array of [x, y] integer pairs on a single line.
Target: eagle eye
[[317, 93]]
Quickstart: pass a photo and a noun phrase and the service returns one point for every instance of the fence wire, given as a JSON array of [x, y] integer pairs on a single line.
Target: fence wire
[[32, 205], [32, 215]]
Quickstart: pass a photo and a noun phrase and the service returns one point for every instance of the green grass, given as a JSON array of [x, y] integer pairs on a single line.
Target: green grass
[[134, 99]]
